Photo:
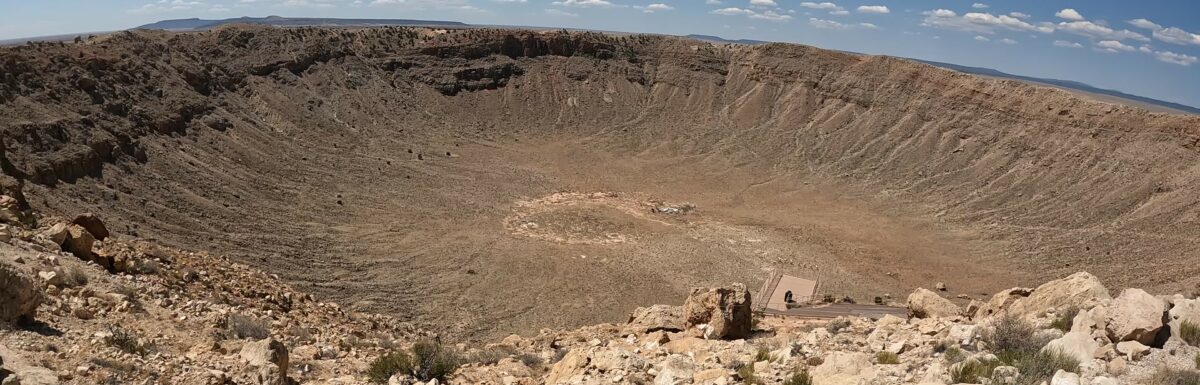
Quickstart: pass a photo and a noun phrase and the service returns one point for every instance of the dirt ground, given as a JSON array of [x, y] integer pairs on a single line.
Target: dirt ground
[[490, 182]]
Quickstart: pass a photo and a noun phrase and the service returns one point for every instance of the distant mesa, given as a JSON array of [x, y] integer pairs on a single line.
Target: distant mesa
[[195, 24], [718, 39]]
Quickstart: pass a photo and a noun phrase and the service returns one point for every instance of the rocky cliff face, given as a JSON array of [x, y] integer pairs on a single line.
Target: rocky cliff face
[[379, 168]]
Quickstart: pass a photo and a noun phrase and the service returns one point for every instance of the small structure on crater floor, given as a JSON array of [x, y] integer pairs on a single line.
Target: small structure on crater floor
[[781, 290]]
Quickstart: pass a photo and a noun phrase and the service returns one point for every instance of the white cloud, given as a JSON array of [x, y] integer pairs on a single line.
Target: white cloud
[[1097, 31], [1019, 15], [712, 2], [771, 16], [978, 22], [873, 9], [765, 15], [1143, 23], [981, 38], [1113, 46], [833, 9], [823, 6], [1175, 35], [1176, 58], [763, 3], [584, 3], [655, 8], [979, 6], [1067, 44], [826, 24], [868, 25], [1008, 41], [1069, 14]]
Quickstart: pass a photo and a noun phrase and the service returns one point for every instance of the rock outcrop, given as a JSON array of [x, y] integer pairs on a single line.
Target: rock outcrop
[[924, 303], [722, 312], [1135, 315], [20, 294], [657, 317], [1079, 290]]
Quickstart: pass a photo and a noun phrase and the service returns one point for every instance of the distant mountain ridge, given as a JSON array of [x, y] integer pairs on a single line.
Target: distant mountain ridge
[[195, 24], [1139, 101], [201, 24], [718, 39], [1068, 84]]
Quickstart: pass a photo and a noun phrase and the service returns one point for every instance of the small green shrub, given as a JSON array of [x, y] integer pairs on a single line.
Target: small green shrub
[[887, 358], [973, 371], [491, 356], [1197, 361], [388, 365], [1065, 319], [746, 373], [762, 355], [126, 341], [74, 276], [531, 360], [954, 355], [433, 361], [1190, 332], [1169, 376], [1013, 336], [799, 377], [814, 361], [1041, 366], [837, 325]]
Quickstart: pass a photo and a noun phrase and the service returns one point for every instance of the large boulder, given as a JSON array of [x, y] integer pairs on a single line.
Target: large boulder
[[844, 368], [1075, 344], [1079, 290], [10, 210], [56, 234], [657, 317], [924, 303], [1184, 310], [573, 364], [79, 242], [1062, 377], [268, 361], [92, 224], [1001, 301], [1135, 316], [725, 311], [20, 294]]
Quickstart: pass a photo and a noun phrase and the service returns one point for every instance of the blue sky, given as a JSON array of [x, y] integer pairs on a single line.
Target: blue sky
[[1148, 48]]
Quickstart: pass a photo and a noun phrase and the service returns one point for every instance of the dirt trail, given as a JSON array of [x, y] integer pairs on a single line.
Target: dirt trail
[[383, 168]]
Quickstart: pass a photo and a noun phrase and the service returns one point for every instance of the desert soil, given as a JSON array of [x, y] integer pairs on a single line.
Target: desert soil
[[488, 182]]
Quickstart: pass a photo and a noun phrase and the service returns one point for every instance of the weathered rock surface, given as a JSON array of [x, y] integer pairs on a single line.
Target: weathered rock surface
[[1075, 344], [1079, 290], [842, 368], [92, 224], [724, 312], [657, 317], [1183, 310], [20, 294], [924, 303], [1135, 315], [1001, 301]]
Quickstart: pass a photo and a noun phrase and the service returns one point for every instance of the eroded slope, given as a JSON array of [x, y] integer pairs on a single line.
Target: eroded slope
[[381, 167]]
